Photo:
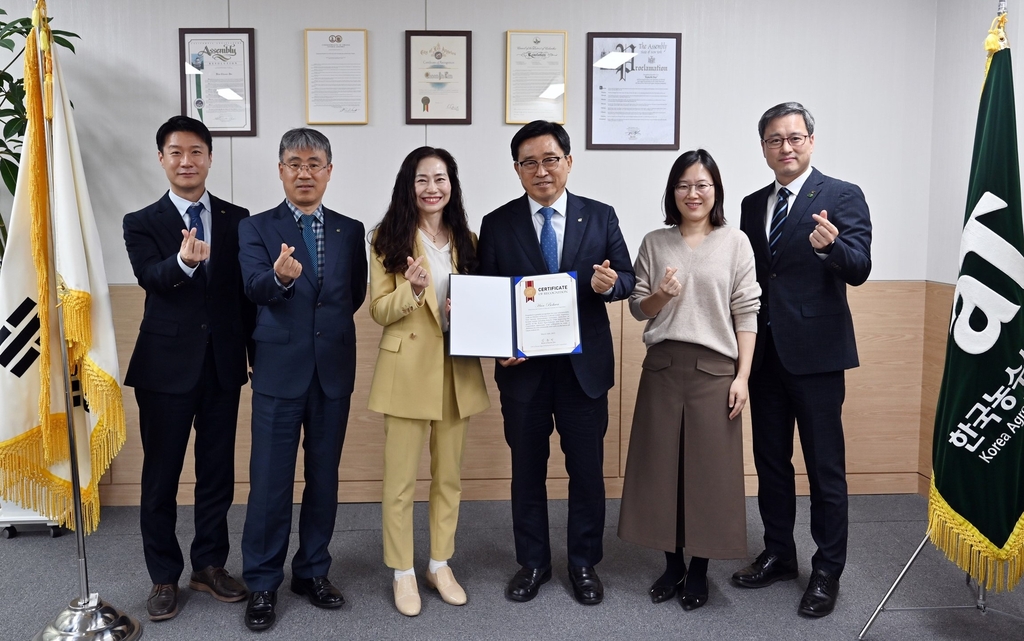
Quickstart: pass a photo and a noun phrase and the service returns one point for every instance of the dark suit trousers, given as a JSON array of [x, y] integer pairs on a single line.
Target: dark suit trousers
[[165, 422], [276, 427], [815, 401], [581, 422]]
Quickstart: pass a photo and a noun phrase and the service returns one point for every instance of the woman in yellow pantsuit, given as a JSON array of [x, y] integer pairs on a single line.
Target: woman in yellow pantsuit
[[423, 237]]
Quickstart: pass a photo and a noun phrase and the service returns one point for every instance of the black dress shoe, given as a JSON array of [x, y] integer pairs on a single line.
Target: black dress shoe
[[259, 613], [820, 596], [586, 585], [162, 602], [319, 590], [661, 592], [766, 569], [691, 599], [219, 583], [526, 582]]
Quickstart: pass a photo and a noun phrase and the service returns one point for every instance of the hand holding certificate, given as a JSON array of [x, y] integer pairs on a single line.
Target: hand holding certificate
[[520, 317]]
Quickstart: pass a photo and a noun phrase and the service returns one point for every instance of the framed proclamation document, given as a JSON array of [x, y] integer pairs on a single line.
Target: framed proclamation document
[[633, 90], [535, 76], [521, 317], [438, 77], [336, 85], [218, 79]]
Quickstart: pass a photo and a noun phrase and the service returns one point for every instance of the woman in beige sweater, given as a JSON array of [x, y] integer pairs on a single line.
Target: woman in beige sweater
[[696, 288]]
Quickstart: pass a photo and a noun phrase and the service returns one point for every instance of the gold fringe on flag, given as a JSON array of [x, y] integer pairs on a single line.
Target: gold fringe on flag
[[55, 441], [995, 568]]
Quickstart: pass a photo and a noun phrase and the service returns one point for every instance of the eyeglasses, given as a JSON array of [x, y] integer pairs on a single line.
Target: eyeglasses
[[312, 168], [796, 140], [549, 163], [701, 188]]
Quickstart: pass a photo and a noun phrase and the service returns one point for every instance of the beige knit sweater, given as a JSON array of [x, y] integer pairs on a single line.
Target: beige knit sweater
[[720, 294]]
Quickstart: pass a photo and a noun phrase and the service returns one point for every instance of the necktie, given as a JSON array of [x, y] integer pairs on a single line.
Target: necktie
[[548, 241], [309, 237], [194, 220], [778, 218]]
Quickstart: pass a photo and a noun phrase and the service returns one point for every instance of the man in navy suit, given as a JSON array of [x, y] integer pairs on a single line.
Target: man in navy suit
[[549, 230], [305, 268], [189, 363], [811, 236]]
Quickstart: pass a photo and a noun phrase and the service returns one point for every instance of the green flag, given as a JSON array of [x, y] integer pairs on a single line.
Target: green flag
[[976, 506]]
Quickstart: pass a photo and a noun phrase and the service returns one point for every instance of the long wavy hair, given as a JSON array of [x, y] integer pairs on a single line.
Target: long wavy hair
[[395, 235]]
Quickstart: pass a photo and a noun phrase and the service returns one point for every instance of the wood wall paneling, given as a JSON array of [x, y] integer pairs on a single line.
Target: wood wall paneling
[[885, 414]]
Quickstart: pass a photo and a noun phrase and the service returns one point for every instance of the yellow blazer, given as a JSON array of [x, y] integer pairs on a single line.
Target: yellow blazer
[[409, 375]]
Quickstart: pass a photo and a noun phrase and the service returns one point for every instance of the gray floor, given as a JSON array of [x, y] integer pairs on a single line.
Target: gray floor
[[39, 576]]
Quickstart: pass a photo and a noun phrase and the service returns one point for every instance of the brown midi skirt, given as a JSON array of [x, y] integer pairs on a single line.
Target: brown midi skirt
[[681, 426]]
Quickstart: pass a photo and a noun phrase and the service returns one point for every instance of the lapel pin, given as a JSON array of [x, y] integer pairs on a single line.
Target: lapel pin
[[810, 195], [579, 220], [337, 231]]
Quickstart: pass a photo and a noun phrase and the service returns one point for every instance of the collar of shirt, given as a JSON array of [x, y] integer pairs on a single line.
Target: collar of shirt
[[297, 213], [794, 188], [559, 206], [182, 204]]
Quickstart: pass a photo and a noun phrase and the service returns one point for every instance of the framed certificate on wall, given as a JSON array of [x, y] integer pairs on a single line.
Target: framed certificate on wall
[[336, 77], [535, 76], [633, 90], [438, 77], [218, 79]]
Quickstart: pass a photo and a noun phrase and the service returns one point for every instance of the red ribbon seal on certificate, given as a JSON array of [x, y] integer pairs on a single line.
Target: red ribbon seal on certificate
[[530, 292]]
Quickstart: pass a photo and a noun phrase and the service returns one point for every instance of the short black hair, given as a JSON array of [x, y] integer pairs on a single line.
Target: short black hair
[[539, 128], [679, 167], [183, 123]]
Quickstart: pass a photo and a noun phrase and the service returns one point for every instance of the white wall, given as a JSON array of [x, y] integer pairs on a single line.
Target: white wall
[[892, 83]]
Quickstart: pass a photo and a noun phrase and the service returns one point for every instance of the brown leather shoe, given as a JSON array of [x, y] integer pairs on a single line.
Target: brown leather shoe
[[163, 601], [219, 583]]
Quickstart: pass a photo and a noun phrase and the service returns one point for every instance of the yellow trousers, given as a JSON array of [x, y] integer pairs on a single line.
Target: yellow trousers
[[403, 442]]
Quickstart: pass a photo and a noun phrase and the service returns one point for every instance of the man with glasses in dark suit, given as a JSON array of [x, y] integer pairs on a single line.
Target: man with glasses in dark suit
[[811, 236], [305, 268], [549, 230]]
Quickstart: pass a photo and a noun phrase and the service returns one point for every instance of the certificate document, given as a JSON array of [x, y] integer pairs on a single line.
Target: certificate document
[[547, 318], [535, 77], [336, 86], [523, 317]]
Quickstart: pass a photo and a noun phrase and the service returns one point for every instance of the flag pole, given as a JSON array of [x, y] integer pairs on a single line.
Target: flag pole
[[86, 618]]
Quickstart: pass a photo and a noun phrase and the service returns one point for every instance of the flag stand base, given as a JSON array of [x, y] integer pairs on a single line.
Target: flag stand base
[[980, 602], [92, 621]]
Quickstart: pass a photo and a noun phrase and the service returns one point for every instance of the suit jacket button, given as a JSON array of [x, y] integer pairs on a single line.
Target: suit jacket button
[[203, 326], [318, 334], [319, 305], [413, 336], [773, 275]]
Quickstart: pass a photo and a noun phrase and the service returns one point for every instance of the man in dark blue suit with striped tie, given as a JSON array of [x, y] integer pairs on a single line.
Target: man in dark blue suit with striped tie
[[189, 363], [811, 236], [305, 268]]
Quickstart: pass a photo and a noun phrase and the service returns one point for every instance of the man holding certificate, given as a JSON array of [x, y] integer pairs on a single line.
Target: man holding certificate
[[545, 231]]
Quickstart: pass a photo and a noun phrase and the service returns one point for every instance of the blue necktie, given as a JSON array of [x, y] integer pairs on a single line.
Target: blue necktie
[[309, 236], [548, 241], [778, 218], [194, 220]]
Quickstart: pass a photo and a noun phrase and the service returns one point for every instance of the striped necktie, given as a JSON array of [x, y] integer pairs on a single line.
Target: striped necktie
[[778, 218]]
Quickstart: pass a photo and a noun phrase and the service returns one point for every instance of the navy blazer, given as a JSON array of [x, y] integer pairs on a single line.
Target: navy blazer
[[308, 326], [509, 247], [803, 296], [183, 312]]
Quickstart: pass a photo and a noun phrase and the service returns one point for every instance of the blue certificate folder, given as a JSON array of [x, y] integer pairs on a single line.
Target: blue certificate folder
[[519, 316]]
